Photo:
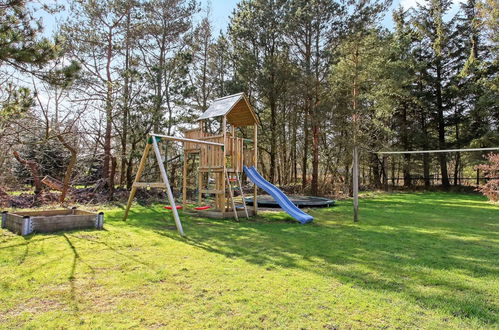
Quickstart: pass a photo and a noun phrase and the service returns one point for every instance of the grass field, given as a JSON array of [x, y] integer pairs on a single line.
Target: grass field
[[421, 260]]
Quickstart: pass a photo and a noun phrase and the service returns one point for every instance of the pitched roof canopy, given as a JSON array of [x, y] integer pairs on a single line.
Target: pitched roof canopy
[[236, 107]]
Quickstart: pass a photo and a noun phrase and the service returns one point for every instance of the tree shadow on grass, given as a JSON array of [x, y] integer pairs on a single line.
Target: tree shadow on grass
[[414, 251], [28, 241], [114, 250]]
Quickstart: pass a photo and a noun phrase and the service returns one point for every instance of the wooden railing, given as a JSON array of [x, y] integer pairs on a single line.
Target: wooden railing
[[195, 134], [234, 152], [211, 157]]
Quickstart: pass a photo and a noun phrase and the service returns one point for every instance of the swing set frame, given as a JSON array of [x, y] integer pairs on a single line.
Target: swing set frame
[[152, 142]]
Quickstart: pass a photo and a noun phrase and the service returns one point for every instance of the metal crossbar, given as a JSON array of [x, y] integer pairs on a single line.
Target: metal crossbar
[[434, 151]]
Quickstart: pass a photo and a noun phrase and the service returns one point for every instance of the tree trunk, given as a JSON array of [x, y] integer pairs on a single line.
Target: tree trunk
[[109, 108], [315, 158], [305, 153], [111, 178], [426, 170], [407, 170], [457, 168], [34, 168], [273, 142], [69, 169], [393, 172], [294, 148], [385, 173], [376, 172], [458, 144], [126, 102], [355, 183], [129, 170], [442, 157]]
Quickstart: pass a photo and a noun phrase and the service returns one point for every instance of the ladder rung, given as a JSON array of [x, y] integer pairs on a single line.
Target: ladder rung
[[149, 184]]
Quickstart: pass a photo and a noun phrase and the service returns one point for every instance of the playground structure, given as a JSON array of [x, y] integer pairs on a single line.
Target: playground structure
[[221, 166], [223, 153]]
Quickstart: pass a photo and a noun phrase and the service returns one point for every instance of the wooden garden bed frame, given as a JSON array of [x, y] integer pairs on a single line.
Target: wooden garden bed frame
[[25, 223]]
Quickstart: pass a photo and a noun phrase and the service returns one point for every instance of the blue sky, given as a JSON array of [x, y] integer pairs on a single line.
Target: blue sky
[[221, 10]]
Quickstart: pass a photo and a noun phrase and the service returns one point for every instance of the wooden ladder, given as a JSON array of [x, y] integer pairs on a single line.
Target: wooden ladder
[[231, 195], [242, 195]]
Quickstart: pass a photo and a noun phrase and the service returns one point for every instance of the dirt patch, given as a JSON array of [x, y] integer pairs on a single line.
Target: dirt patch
[[84, 196], [33, 306]]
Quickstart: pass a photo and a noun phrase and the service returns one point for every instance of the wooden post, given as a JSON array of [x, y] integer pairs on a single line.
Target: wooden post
[[255, 164], [142, 165], [224, 162], [184, 180], [355, 181], [200, 186], [233, 153]]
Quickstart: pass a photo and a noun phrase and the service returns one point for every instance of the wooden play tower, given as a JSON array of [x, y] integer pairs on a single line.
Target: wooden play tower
[[222, 146], [221, 167]]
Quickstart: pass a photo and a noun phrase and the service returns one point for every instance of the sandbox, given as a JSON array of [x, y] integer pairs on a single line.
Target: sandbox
[[25, 223]]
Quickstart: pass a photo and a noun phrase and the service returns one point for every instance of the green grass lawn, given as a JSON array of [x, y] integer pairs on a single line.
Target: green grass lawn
[[421, 260]]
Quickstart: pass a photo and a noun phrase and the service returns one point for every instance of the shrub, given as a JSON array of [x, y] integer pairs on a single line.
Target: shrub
[[491, 172]]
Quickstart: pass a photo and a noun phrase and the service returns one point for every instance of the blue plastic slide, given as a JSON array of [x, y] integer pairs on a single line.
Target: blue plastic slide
[[278, 195]]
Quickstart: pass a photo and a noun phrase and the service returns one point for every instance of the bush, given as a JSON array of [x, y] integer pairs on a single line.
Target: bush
[[491, 172]]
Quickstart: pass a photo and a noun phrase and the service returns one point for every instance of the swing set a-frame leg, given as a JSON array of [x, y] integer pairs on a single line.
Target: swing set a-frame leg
[[154, 143], [168, 188], [142, 165]]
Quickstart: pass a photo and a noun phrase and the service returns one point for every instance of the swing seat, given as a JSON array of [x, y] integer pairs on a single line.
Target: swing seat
[[179, 207], [199, 208]]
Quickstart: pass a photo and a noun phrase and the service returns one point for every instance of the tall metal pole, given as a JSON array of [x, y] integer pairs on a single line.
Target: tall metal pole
[[168, 188]]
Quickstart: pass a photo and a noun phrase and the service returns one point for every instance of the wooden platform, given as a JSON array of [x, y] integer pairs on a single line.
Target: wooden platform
[[228, 215]]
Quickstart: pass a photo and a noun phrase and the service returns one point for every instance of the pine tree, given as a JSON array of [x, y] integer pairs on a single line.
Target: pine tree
[[24, 52], [94, 38], [260, 57], [434, 33], [313, 28]]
